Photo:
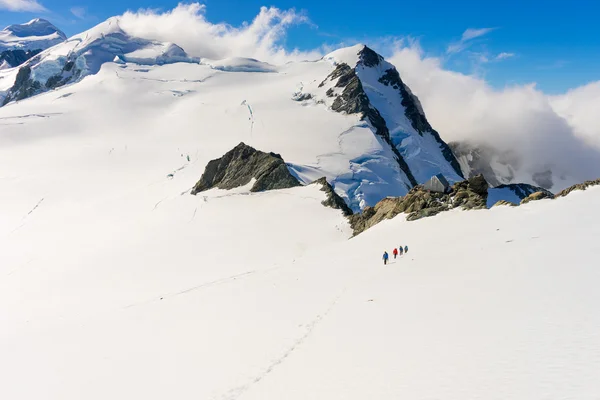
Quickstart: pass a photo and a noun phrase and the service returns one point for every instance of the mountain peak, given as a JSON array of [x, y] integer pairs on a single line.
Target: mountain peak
[[35, 28], [354, 55]]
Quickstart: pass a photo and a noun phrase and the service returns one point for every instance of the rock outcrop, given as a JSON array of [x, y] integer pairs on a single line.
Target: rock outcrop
[[537, 196], [333, 200], [579, 186], [14, 58], [420, 203], [23, 87], [504, 203], [239, 166]]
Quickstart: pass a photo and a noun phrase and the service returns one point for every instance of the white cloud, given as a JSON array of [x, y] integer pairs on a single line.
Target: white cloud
[[504, 56], [470, 33], [580, 107], [466, 38], [21, 5], [187, 26], [79, 12], [518, 118]]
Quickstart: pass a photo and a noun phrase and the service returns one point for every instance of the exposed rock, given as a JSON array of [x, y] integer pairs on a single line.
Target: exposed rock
[[504, 203], [369, 58], [478, 184], [579, 186], [14, 58], [415, 114], [333, 199], [238, 166], [354, 100], [303, 97], [537, 196], [23, 87], [523, 190], [420, 203]]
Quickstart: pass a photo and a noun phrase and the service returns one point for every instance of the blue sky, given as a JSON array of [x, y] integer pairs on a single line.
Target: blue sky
[[552, 43]]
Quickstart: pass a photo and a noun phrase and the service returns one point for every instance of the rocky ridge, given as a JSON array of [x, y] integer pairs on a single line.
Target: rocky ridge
[[242, 164], [420, 203]]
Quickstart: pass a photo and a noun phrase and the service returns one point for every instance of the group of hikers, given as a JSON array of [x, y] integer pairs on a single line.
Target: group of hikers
[[396, 252]]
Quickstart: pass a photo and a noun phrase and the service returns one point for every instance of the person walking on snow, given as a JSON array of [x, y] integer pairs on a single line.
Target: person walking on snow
[[395, 253], [401, 249], [406, 249], [385, 257]]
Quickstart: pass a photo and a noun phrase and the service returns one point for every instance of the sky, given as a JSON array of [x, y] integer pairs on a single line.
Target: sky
[[507, 43]]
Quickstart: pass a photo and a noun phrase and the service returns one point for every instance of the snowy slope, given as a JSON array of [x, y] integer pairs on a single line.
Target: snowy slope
[[420, 146], [84, 54], [115, 285], [37, 34]]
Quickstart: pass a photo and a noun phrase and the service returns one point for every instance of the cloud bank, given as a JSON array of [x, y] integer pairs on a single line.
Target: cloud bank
[[21, 5], [187, 26]]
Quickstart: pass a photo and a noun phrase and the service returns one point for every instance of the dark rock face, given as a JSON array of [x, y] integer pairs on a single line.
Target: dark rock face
[[369, 58], [522, 190], [537, 196], [24, 86], [333, 200], [238, 166], [14, 58], [579, 186], [354, 100], [420, 203], [415, 114]]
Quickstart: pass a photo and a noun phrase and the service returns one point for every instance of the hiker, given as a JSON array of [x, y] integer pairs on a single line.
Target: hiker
[[385, 257], [406, 249], [401, 249], [395, 253]]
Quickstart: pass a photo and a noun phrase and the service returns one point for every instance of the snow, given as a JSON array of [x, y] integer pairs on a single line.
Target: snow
[[240, 64], [101, 44], [34, 35], [116, 283], [422, 153], [346, 55]]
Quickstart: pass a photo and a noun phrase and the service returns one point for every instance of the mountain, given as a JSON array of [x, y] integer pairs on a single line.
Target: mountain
[[376, 141], [19, 43], [37, 34], [84, 54], [362, 83]]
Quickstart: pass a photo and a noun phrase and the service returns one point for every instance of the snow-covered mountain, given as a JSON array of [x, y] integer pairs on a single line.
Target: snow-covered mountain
[[18, 43], [37, 34], [371, 138], [83, 55]]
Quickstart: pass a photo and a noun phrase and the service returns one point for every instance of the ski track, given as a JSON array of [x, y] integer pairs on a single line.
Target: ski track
[[198, 287], [238, 391], [47, 115]]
